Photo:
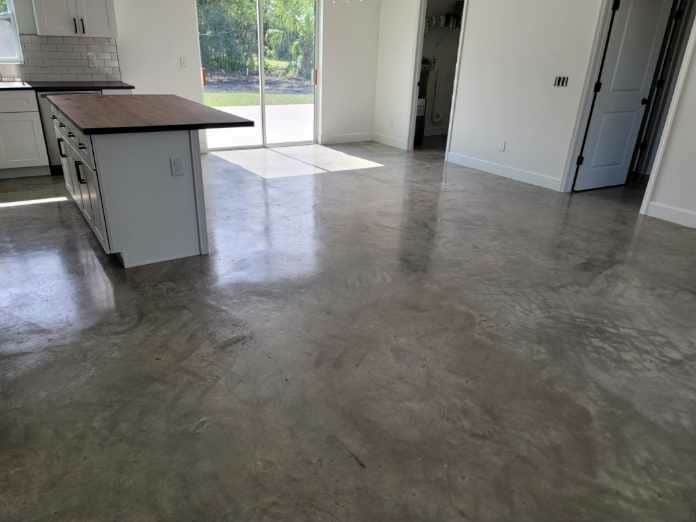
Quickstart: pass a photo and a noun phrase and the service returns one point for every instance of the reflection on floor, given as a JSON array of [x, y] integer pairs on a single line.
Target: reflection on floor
[[26, 189], [28, 202], [285, 162], [414, 342], [284, 124]]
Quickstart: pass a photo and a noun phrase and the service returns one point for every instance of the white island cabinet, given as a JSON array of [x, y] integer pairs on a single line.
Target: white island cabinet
[[132, 165]]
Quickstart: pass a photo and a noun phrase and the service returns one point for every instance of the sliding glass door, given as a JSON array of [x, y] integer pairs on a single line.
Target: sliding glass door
[[289, 39], [258, 61]]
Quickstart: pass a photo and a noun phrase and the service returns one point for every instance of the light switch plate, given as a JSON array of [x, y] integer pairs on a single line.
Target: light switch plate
[[176, 165]]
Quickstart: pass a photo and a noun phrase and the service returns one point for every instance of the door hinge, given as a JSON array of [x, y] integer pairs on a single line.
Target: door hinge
[[597, 87], [616, 6], [580, 161]]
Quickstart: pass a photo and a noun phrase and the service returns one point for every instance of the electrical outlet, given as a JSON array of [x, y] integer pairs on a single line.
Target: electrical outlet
[[176, 165], [503, 147]]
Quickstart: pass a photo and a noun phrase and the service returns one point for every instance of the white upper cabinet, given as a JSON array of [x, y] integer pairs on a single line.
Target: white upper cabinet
[[55, 17], [95, 17], [74, 17]]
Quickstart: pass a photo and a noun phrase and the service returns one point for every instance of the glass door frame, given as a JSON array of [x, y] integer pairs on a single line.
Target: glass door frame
[[260, 5]]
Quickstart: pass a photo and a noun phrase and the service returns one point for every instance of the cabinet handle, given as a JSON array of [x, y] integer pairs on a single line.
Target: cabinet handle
[[81, 146], [54, 117], [82, 21], [82, 180], [60, 148], [61, 125], [71, 134], [74, 21]]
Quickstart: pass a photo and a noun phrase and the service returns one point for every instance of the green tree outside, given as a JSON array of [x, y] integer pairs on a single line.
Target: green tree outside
[[228, 34]]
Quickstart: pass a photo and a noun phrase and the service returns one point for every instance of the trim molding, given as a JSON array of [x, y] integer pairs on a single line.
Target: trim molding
[[392, 141], [674, 109], [351, 137], [505, 171], [457, 72], [680, 216]]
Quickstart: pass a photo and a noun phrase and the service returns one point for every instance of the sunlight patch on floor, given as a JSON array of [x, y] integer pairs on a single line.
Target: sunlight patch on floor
[[326, 158], [304, 160], [28, 202]]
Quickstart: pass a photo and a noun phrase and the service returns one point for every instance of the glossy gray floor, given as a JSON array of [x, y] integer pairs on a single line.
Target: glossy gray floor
[[416, 342]]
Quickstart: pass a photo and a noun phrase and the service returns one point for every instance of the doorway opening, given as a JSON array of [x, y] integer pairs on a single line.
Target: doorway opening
[[640, 57], [435, 87], [259, 62]]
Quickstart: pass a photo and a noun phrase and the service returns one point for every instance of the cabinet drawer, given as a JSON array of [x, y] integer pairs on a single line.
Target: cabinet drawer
[[73, 136], [18, 101]]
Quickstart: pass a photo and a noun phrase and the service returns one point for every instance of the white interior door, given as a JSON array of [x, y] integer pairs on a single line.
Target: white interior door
[[634, 46]]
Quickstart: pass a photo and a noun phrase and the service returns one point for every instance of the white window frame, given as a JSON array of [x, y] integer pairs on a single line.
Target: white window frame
[[11, 15]]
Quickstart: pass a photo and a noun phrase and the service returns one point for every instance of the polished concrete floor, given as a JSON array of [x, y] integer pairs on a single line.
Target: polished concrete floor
[[415, 342]]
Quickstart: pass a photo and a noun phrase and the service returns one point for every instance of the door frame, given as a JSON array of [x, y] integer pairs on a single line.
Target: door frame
[[669, 122], [318, 38], [423, 11]]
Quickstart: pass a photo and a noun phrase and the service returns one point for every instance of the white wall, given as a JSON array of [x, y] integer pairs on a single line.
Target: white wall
[[512, 52], [399, 22], [672, 193], [152, 37], [347, 77]]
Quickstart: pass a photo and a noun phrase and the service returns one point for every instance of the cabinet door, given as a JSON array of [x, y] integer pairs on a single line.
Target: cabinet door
[[94, 17], [21, 140], [65, 163], [78, 183], [56, 17], [94, 203]]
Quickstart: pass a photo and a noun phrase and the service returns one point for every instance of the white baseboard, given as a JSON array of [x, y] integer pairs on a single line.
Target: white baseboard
[[25, 172], [351, 137], [398, 142], [680, 216], [526, 176]]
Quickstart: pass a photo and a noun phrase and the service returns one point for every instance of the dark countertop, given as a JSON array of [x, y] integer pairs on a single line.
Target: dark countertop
[[94, 114], [78, 86], [15, 86]]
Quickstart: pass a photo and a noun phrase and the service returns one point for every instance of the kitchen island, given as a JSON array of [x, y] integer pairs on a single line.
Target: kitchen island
[[132, 165]]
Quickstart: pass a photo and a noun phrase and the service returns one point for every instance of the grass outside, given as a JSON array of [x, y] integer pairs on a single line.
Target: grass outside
[[236, 99]]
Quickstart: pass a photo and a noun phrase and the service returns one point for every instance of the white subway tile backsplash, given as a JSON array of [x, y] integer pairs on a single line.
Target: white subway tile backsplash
[[65, 58]]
